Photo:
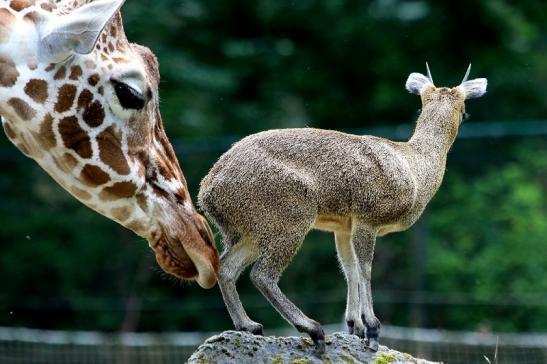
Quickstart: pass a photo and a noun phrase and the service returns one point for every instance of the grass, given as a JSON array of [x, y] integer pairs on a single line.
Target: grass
[[495, 354]]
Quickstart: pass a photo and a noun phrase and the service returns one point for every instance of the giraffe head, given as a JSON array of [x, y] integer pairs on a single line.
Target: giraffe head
[[82, 101]]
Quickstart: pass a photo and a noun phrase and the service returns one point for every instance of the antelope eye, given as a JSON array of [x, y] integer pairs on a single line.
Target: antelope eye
[[128, 96]]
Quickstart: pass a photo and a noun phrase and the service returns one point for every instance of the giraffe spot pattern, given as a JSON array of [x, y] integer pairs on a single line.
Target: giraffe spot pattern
[[93, 175], [181, 195], [90, 64], [94, 114], [158, 191], [72, 134], [165, 170], [65, 98], [79, 193], [37, 90], [120, 60], [74, 137], [8, 72], [159, 133], [110, 152], [19, 5], [62, 165], [22, 109], [23, 149], [26, 137], [8, 130], [118, 190], [60, 74], [48, 6], [137, 227], [75, 73], [142, 201], [46, 137], [141, 171], [93, 80], [32, 17], [121, 213], [84, 99], [69, 160], [6, 18]]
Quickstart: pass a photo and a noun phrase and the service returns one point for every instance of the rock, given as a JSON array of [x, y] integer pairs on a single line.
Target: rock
[[242, 348]]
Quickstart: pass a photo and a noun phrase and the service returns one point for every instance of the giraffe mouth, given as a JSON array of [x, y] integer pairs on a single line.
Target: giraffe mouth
[[174, 261], [191, 255]]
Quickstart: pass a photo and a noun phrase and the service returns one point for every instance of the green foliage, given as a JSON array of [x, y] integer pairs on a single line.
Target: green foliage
[[488, 236], [385, 358], [231, 68]]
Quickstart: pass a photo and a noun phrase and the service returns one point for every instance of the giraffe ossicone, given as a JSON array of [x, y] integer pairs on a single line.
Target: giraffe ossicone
[[82, 101]]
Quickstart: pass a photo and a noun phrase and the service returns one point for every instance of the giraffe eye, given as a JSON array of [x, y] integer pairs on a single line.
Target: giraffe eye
[[128, 96]]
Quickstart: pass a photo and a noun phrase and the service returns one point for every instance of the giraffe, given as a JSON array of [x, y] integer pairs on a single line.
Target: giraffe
[[82, 101]]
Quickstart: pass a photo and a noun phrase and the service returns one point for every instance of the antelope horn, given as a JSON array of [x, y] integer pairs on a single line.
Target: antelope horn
[[467, 73], [428, 73]]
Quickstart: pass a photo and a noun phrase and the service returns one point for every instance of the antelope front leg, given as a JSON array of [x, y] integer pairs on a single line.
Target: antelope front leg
[[350, 265], [265, 275], [364, 239], [236, 256]]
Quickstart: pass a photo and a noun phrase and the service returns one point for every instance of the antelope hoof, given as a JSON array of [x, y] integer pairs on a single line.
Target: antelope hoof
[[319, 347], [358, 330], [373, 344], [259, 330], [255, 329], [317, 334], [373, 335]]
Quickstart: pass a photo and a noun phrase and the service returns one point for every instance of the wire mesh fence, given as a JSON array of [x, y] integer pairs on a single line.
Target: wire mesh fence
[[468, 347], [412, 295], [29, 346]]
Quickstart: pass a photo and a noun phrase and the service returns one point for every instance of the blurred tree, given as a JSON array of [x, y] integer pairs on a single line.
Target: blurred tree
[[230, 68], [488, 236]]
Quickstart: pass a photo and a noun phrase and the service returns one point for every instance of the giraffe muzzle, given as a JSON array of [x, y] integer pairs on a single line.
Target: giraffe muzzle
[[189, 251], [203, 253]]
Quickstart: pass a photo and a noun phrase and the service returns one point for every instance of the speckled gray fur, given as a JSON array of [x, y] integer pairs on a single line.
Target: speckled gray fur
[[271, 188], [244, 348]]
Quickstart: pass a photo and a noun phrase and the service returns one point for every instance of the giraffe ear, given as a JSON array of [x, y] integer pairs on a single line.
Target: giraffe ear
[[77, 31]]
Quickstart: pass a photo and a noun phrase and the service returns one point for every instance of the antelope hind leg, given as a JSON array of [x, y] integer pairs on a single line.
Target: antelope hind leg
[[238, 254], [265, 275]]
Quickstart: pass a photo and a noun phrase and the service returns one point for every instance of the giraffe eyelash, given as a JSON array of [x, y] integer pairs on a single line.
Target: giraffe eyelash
[[129, 97]]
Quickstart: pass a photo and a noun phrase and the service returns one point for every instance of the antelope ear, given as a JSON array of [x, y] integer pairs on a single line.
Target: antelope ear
[[474, 88], [416, 82], [77, 31]]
